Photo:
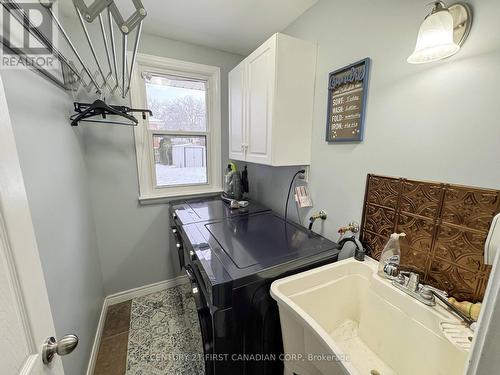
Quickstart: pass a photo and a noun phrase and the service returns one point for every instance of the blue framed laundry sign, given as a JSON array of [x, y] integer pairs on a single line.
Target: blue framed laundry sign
[[347, 93]]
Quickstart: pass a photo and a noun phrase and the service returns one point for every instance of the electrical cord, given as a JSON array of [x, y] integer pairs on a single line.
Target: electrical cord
[[290, 189]]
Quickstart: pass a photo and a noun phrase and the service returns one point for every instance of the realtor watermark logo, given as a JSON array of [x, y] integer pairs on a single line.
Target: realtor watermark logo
[[21, 47]]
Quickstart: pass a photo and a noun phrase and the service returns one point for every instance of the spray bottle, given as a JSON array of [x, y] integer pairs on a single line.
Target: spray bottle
[[392, 248]]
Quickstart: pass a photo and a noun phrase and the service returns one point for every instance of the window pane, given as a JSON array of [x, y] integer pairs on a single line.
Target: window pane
[[177, 103], [180, 160]]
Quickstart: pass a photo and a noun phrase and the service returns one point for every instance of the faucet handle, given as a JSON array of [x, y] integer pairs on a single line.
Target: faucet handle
[[429, 289], [427, 292], [413, 281]]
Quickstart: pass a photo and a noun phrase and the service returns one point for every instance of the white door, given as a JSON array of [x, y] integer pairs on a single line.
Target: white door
[[25, 317], [236, 116], [260, 93]]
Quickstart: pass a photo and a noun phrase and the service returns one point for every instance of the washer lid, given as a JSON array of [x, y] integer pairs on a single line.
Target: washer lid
[[265, 240]]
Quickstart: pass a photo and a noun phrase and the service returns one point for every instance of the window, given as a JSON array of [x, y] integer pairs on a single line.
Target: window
[[179, 129], [179, 147]]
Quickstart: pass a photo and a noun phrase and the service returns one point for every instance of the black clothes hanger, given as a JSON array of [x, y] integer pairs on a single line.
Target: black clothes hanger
[[85, 111]]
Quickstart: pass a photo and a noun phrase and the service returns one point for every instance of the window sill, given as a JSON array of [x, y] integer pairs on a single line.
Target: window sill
[[166, 198]]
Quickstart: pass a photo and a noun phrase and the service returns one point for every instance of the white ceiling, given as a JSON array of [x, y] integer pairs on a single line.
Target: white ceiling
[[236, 26]]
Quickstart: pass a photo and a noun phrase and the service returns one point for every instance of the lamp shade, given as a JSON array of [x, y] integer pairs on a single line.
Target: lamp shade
[[435, 39]]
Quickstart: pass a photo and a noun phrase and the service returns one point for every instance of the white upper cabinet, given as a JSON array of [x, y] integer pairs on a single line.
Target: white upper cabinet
[[271, 96]]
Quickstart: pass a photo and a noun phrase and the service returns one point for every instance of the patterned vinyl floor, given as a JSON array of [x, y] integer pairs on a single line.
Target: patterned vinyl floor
[[164, 336]]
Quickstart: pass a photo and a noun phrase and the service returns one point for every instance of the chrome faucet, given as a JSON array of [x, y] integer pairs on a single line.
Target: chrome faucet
[[409, 282]]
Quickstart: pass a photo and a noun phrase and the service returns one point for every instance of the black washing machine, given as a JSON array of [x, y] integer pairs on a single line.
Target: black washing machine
[[231, 263]]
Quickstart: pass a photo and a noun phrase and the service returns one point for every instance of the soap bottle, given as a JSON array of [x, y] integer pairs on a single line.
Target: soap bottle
[[391, 249]]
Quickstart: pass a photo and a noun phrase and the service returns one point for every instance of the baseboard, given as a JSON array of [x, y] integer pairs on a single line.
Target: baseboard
[[127, 295], [120, 297], [97, 338]]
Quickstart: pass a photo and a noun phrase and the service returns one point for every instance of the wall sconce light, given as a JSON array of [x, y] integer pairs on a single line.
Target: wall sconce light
[[442, 33]]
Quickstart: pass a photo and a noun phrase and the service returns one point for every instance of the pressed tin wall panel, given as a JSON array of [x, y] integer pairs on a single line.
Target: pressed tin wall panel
[[445, 225]]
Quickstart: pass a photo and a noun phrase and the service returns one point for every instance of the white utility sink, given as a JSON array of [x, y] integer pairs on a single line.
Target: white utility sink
[[345, 319]]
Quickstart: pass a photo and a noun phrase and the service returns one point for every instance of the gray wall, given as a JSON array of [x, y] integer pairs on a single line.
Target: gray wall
[[53, 165], [82, 187], [435, 122], [133, 240]]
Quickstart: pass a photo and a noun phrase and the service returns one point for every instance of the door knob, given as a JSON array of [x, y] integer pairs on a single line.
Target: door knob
[[62, 347]]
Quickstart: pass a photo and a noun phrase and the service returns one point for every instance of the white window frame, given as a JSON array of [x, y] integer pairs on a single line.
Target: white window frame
[[149, 192]]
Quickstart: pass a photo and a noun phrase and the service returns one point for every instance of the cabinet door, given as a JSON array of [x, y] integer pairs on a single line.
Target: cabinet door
[[236, 113], [260, 94]]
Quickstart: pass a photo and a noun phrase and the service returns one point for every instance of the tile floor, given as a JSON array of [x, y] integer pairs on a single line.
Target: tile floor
[[157, 334], [112, 355]]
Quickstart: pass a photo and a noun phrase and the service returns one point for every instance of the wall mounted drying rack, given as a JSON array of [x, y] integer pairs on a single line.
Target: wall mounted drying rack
[[105, 80]]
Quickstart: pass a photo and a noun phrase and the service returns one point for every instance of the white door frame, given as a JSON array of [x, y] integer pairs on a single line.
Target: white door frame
[[484, 359], [21, 252]]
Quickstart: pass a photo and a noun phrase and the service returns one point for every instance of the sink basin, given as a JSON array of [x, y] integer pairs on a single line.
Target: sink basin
[[344, 319]]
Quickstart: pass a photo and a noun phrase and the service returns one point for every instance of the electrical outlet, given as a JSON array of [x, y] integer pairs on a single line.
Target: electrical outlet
[[304, 176]]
